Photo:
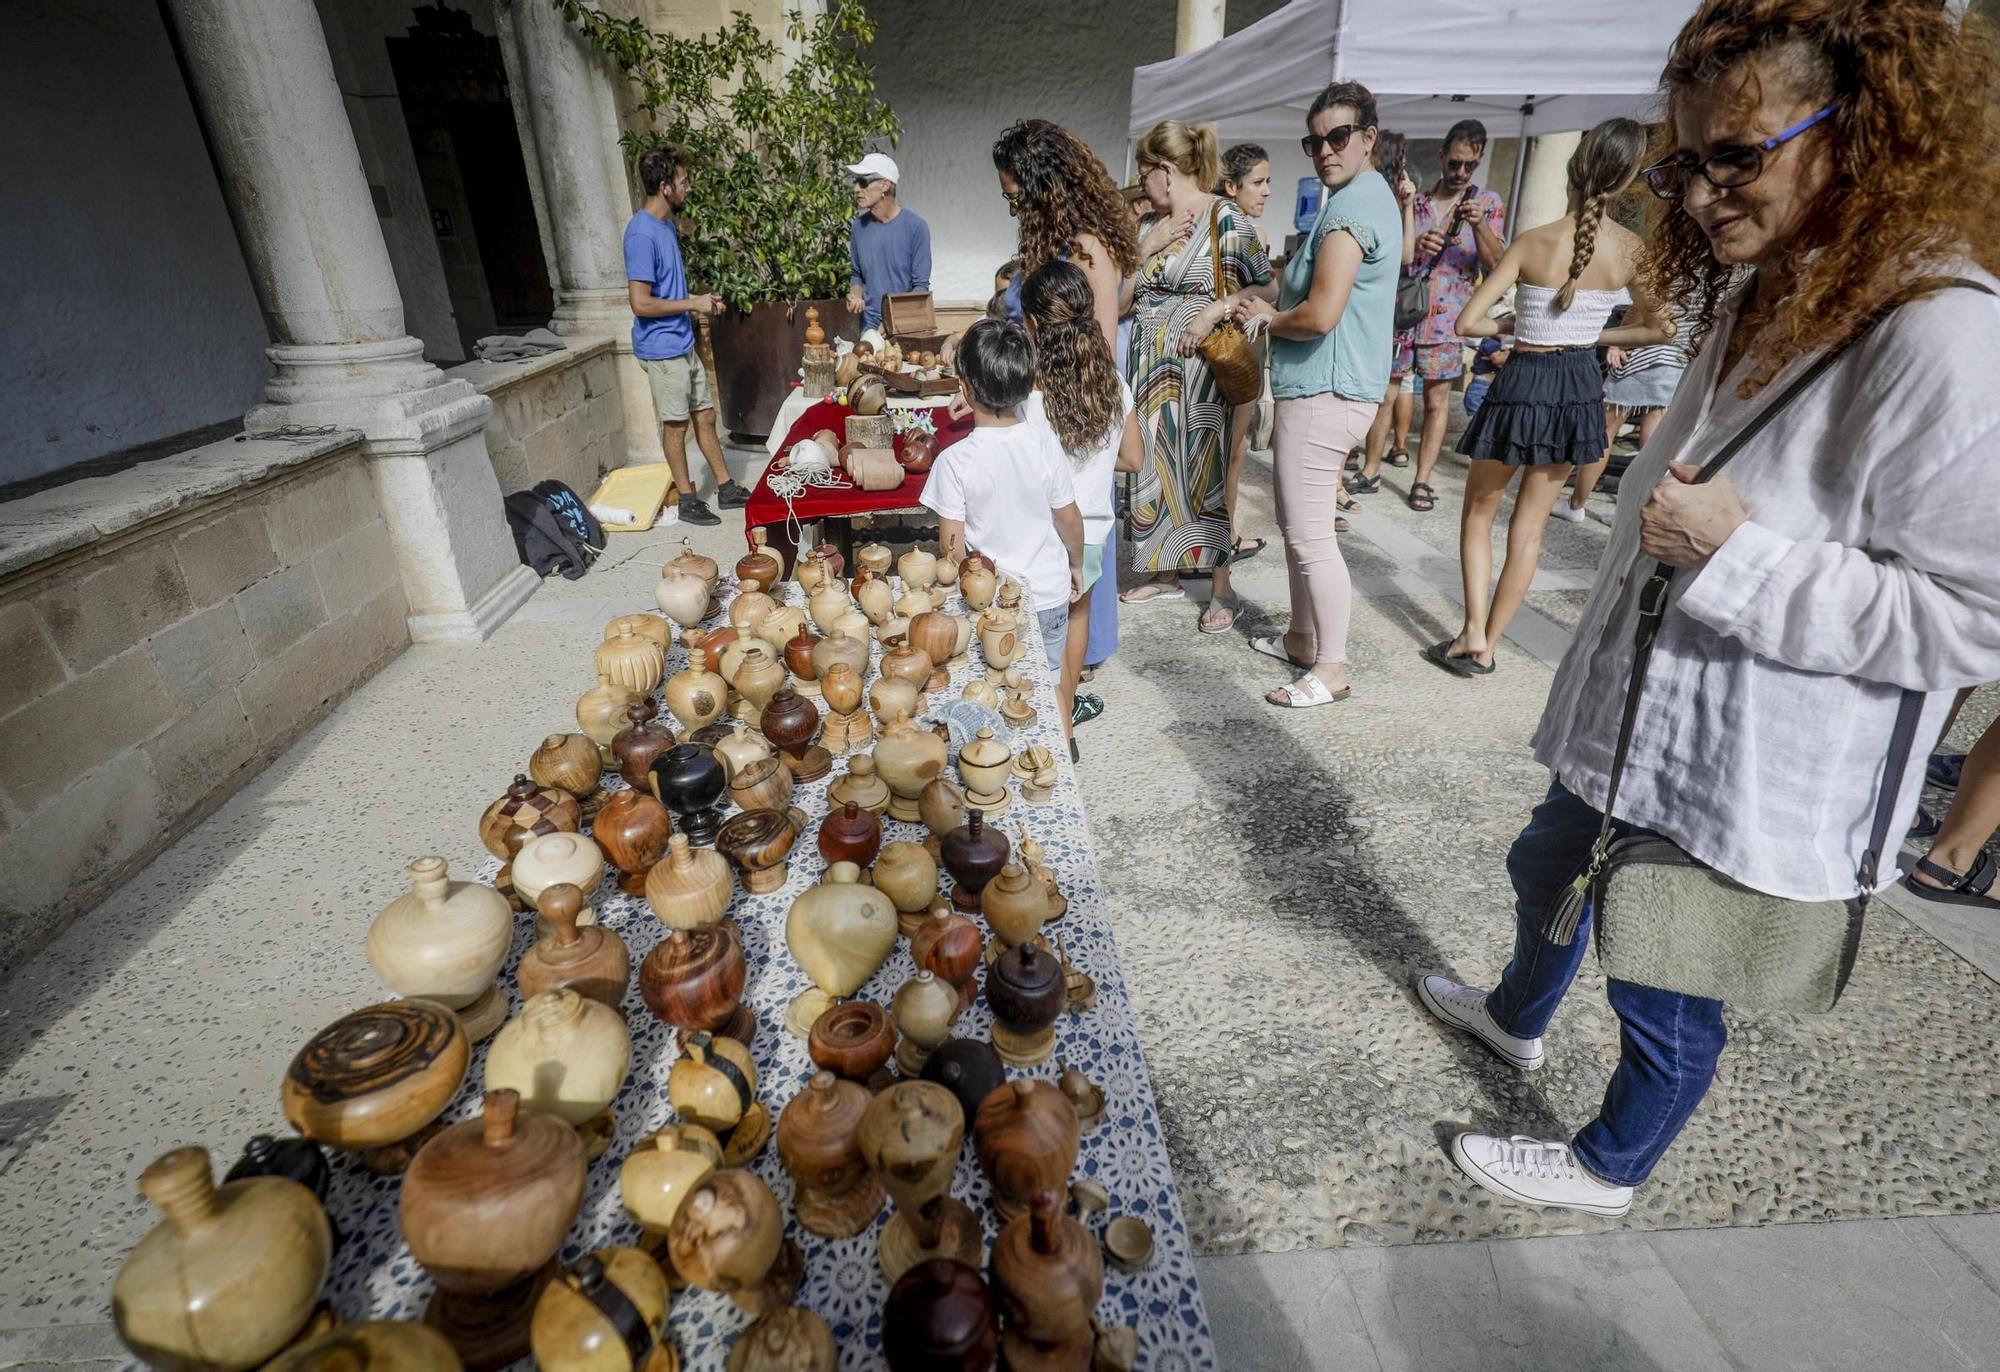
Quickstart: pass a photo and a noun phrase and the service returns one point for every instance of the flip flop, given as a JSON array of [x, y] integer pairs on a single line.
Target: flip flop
[[1234, 607], [1441, 654], [1974, 887], [1307, 690], [1424, 492], [1141, 595], [1273, 645]]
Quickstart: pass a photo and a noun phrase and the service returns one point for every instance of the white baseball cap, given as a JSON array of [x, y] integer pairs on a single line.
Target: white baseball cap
[[878, 166]]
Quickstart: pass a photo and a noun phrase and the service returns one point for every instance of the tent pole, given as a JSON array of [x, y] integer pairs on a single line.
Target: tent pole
[[1520, 168]]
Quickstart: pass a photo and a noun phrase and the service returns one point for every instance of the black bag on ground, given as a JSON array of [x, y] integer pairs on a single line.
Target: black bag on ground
[[554, 531]]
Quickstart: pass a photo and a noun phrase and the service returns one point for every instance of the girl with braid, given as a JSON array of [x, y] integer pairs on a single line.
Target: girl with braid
[[1545, 412]]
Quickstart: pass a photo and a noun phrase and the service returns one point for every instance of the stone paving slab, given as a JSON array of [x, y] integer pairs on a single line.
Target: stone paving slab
[[1278, 878]]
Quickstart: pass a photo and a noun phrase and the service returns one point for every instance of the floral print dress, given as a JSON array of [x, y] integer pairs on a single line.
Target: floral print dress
[[1179, 522]]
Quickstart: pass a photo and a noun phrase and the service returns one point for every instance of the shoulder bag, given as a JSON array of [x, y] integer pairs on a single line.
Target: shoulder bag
[[1665, 919], [1235, 364]]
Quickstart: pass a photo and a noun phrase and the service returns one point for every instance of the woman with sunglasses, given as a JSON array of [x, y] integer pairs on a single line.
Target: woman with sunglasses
[[1180, 518], [1329, 362], [1544, 415], [1834, 168]]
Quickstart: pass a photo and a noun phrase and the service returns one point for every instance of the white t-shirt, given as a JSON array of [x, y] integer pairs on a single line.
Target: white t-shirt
[[1002, 483], [1093, 477]]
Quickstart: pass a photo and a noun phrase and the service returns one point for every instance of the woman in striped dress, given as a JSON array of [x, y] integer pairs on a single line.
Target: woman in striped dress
[[1180, 518]]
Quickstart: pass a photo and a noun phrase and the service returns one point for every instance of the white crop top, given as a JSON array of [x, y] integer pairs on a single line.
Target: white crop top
[[1536, 320]]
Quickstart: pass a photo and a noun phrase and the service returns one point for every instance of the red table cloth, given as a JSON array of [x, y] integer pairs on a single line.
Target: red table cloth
[[766, 510]]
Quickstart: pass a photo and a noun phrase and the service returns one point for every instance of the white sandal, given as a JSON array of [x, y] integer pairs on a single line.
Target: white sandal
[[1308, 689], [1272, 645]]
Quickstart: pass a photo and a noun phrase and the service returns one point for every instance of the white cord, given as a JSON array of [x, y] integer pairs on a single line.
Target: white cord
[[788, 486]]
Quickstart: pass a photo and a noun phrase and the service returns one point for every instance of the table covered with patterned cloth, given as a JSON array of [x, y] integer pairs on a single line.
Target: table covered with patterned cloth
[[374, 1275]]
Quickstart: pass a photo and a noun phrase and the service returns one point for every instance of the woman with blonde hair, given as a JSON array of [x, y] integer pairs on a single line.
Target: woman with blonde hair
[[1180, 516], [1761, 637], [1544, 415]]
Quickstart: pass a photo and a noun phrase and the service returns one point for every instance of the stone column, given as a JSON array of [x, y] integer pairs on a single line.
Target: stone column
[[1545, 182], [1198, 24], [566, 87], [263, 82]]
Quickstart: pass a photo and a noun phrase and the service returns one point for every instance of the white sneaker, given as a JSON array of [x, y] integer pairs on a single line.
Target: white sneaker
[[1564, 510], [1536, 1172], [1464, 1007]]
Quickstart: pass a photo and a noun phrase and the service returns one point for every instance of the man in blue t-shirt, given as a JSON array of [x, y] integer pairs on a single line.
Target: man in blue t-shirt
[[888, 246], [663, 333]]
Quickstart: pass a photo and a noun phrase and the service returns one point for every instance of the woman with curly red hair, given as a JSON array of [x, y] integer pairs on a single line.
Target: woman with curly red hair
[[1832, 172]]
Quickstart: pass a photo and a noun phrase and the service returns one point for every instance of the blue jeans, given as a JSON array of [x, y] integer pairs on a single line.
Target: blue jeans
[[1054, 625], [1668, 1042]]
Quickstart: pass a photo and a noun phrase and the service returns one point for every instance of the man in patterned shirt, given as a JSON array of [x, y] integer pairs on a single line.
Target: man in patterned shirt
[[1458, 228]]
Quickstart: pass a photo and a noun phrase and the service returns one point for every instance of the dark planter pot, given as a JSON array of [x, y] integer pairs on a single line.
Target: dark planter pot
[[757, 358]]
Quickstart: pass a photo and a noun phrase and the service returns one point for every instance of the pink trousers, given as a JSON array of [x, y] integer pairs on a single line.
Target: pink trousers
[[1309, 445]]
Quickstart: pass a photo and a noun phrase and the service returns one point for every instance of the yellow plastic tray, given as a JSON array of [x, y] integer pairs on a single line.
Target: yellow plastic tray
[[642, 490]]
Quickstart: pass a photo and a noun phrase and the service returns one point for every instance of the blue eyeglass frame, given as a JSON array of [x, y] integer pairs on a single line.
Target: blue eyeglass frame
[[1767, 145]]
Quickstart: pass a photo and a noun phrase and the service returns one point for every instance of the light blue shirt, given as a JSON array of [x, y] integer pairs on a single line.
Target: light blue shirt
[[888, 258], [1353, 360], [653, 254]]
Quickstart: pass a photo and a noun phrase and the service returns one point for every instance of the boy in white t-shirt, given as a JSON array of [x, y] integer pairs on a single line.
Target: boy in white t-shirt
[[1004, 489]]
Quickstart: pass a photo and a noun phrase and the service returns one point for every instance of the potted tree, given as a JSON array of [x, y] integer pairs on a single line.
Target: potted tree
[[770, 143]]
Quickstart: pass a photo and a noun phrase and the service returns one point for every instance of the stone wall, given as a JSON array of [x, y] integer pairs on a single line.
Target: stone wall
[[558, 415], [162, 640]]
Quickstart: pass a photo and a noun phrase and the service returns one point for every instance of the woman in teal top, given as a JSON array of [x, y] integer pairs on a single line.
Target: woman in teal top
[[1329, 367]]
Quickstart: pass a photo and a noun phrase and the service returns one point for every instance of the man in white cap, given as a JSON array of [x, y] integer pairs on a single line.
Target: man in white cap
[[889, 247]]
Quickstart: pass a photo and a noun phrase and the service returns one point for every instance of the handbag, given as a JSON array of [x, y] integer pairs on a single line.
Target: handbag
[[1667, 920], [1238, 370]]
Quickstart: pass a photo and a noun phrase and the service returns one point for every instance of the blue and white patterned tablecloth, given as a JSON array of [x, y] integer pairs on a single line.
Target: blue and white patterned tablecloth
[[375, 1277]]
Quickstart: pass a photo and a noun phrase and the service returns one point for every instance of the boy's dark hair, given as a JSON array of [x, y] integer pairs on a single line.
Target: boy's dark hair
[[658, 166], [1469, 131], [997, 360]]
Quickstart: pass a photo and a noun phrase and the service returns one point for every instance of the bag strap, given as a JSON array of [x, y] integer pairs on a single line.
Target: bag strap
[[1568, 912], [1215, 246]]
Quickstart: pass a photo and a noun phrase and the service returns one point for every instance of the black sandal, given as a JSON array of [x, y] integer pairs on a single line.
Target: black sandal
[[1975, 887], [1355, 457], [1422, 498], [1457, 664], [1363, 485], [1238, 553], [1392, 456]]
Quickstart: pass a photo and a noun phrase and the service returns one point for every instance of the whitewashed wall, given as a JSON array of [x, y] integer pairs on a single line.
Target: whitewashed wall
[[128, 308]]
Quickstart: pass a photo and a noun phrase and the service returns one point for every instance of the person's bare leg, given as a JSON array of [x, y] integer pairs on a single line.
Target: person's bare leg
[[1236, 426], [1540, 487], [1437, 407], [1376, 445], [673, 440], [1588, 475], [1485, 486], [711, 444], [1072, 662], [1406, 415], [1975, 811]]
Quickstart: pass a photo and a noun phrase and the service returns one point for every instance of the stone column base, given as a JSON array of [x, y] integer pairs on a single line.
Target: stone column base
[[426, 451]]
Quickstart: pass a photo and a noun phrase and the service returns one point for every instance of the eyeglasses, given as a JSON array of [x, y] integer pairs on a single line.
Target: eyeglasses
[[1332, 138], [1455, 164], [1726, 169]]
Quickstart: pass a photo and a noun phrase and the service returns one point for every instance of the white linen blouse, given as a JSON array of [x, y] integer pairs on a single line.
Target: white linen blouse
[[1870, 563]]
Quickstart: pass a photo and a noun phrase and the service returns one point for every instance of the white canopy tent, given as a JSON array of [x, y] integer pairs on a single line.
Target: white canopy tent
[[1519, 66]]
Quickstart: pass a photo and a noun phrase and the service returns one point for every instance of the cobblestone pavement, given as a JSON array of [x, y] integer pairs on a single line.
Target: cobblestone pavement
[[1278, 878]]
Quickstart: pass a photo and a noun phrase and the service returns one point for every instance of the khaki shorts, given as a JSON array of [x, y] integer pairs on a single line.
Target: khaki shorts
[[680, 386]]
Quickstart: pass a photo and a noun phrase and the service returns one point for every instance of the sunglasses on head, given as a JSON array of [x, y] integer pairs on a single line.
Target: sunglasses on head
[[1727, 168], [1335, 138]]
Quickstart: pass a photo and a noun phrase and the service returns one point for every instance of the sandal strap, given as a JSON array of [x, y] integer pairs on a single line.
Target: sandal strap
[[1976, 880], [1297, 693]]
